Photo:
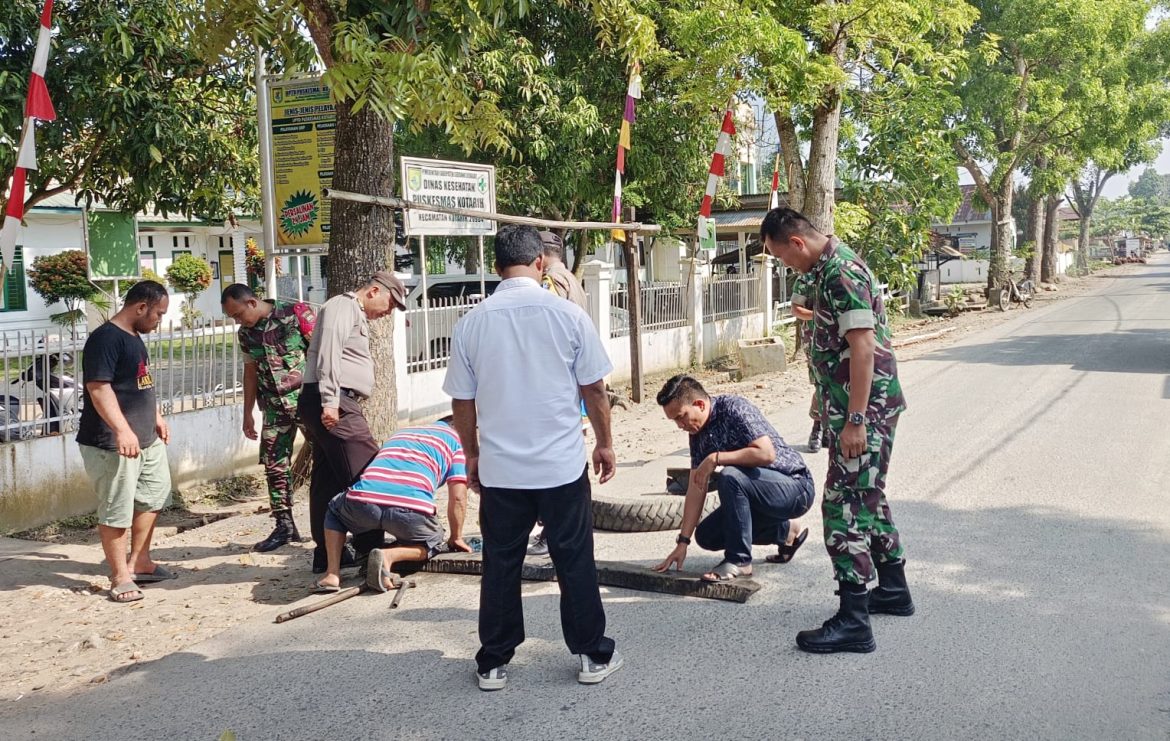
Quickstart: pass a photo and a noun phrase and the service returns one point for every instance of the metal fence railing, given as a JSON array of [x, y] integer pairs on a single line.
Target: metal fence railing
[[726, 298], [42, 380], [428, 338], [664, 306]]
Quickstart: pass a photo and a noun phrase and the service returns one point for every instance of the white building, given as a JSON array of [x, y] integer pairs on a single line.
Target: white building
[[55, 225], [972, 227]]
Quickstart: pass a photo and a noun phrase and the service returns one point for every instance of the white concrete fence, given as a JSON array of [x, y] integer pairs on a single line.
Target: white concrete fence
[[684, 324]]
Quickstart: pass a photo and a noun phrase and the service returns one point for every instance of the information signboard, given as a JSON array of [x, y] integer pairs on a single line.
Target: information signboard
[[452, 184], [303, 125]]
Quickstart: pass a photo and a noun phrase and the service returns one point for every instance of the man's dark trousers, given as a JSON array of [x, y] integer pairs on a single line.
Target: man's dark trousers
[[755, 505], [339, 457], [506, 518]]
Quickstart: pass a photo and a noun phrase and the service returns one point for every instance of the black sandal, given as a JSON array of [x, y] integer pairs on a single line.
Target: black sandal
[[786, 552]]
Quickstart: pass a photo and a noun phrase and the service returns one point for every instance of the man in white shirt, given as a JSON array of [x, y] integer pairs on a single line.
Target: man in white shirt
[[521, 363]]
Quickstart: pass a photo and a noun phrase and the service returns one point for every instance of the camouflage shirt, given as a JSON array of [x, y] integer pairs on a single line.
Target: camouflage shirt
[[277, 346], [844, 296], [801, 288]]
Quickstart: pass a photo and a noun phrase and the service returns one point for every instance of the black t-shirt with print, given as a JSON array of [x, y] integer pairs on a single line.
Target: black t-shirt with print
[[113, 354]]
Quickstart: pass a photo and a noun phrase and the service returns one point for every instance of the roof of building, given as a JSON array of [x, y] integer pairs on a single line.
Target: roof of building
[[968, 211], [69, 201]]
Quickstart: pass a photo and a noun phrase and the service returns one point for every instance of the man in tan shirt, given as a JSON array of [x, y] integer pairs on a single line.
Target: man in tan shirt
[[339, 374], [557, 276]]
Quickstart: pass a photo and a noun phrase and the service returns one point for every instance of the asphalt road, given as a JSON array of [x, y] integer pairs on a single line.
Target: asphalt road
[[1029, 479]]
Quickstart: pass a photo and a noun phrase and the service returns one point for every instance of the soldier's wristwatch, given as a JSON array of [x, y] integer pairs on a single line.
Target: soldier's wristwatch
[[856, 418]]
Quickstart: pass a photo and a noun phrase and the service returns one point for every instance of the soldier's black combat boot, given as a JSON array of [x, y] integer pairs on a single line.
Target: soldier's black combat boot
[[892, 596], [848, 630], [284, 532], [814, 437]]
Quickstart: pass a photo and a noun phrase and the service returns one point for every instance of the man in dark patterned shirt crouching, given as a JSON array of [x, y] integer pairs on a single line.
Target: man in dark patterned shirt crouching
[[763, 487]]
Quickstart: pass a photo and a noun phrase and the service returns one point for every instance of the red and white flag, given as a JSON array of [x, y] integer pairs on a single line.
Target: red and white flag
[[37, 106], [774, 200], [706, 229]]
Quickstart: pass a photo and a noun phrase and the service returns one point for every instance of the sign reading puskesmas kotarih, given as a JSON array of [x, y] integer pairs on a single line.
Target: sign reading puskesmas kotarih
[[462, 185]]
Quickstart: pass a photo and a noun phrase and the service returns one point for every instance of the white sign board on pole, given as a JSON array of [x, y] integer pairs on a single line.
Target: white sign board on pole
[[450, 184]]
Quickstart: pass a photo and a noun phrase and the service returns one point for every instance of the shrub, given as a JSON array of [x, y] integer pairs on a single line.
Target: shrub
[[63, 277], [190, 276]]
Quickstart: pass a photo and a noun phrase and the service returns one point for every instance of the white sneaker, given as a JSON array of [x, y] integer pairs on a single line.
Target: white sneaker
[[593, 673], [494, 679]]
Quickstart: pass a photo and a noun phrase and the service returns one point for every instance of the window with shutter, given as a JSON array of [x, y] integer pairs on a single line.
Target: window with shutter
[[14, 296]]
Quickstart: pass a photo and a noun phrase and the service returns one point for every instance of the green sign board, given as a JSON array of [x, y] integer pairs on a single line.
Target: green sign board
[[111, 242]]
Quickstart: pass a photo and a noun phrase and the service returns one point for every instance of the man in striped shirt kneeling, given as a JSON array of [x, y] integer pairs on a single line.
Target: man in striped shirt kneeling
[[396, 494]]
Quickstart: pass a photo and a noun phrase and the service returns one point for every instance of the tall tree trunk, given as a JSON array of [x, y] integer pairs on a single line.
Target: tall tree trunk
[[1051, 238], [362, 240], [471, 257], [1002, 233], [790, 154], [1035, 236], [1083, 241], [822, 164]]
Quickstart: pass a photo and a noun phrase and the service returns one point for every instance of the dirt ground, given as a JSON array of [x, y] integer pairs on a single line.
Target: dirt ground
[[58, 631]]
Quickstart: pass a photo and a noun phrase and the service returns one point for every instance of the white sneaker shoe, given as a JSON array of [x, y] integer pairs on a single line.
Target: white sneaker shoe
[[493, 680], [593, 673]]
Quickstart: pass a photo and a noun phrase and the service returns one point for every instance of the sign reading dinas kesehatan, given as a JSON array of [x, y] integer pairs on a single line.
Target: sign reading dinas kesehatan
[[303, 123], [451, 184]]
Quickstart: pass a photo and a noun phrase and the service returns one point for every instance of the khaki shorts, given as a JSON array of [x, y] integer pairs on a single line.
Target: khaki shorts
[[128, 485]]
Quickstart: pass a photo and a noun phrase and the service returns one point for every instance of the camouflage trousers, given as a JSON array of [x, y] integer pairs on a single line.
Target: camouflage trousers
[[276, 446], [858, 526]]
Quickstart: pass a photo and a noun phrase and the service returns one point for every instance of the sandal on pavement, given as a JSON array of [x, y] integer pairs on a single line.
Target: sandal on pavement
[[376, 571], [784, 553], [160, 573], [725, 571], [121, 592], [319, 588]]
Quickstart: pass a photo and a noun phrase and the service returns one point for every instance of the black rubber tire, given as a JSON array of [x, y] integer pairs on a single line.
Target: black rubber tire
[[651, 513]]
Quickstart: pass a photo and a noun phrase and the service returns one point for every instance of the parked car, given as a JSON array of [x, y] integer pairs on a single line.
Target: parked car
[[449, 297]]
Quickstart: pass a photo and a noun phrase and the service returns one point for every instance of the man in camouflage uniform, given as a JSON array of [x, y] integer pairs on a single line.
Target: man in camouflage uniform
[[861, 398], [801, 289], [273, 337]]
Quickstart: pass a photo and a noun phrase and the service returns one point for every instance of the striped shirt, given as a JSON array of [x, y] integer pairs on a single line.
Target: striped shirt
[[410, 467]]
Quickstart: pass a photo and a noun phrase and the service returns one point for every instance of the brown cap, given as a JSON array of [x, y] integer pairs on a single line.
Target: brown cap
[[391, 283]]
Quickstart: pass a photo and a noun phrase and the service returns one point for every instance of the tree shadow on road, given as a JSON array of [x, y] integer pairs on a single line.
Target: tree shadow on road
[[1031, 622], [1122, 351]]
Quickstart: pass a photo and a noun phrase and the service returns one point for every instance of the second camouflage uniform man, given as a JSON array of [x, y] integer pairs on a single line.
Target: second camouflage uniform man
[[274, 337]]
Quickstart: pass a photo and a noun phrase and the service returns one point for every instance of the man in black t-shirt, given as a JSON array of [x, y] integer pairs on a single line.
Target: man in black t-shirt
[[123, 439]]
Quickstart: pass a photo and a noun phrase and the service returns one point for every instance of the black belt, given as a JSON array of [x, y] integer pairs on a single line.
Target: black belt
[[351, 394]]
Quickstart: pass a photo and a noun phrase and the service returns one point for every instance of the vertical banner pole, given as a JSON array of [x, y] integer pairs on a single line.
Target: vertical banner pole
[[267, 184], [426, 304]]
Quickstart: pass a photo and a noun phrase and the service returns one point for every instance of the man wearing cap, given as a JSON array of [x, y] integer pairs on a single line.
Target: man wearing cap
[[339, 374], [557, 276]]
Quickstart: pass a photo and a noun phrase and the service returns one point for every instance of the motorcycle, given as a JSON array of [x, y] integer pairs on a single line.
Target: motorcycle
[[56, 394]]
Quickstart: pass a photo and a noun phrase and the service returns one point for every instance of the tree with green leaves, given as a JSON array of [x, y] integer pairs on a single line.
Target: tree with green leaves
[[842, 79], [63, 277], [143, 119], [190, 276], [1151, 187], [391, 66], [1034, 69]]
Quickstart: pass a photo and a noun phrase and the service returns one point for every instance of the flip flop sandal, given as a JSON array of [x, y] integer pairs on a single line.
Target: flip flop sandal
[[376, 571], [160, 573], [784, 553], [116, 593], [725, 571], [319, 588]]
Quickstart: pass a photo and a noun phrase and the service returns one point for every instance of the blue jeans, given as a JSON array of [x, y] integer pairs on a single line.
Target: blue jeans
[[755, 505]]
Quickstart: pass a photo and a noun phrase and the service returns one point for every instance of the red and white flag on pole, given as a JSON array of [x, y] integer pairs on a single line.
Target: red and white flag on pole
[[774, 200], [37, 106], [718, 167]]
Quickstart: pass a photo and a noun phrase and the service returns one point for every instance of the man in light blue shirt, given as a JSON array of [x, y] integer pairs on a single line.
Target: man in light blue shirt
[[521, 363]]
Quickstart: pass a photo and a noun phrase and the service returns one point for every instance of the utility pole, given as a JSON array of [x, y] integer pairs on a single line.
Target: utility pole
[[634, 304]]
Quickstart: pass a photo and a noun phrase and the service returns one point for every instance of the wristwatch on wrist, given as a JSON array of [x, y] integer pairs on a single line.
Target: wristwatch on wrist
[[856, 418], [682, 540]]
